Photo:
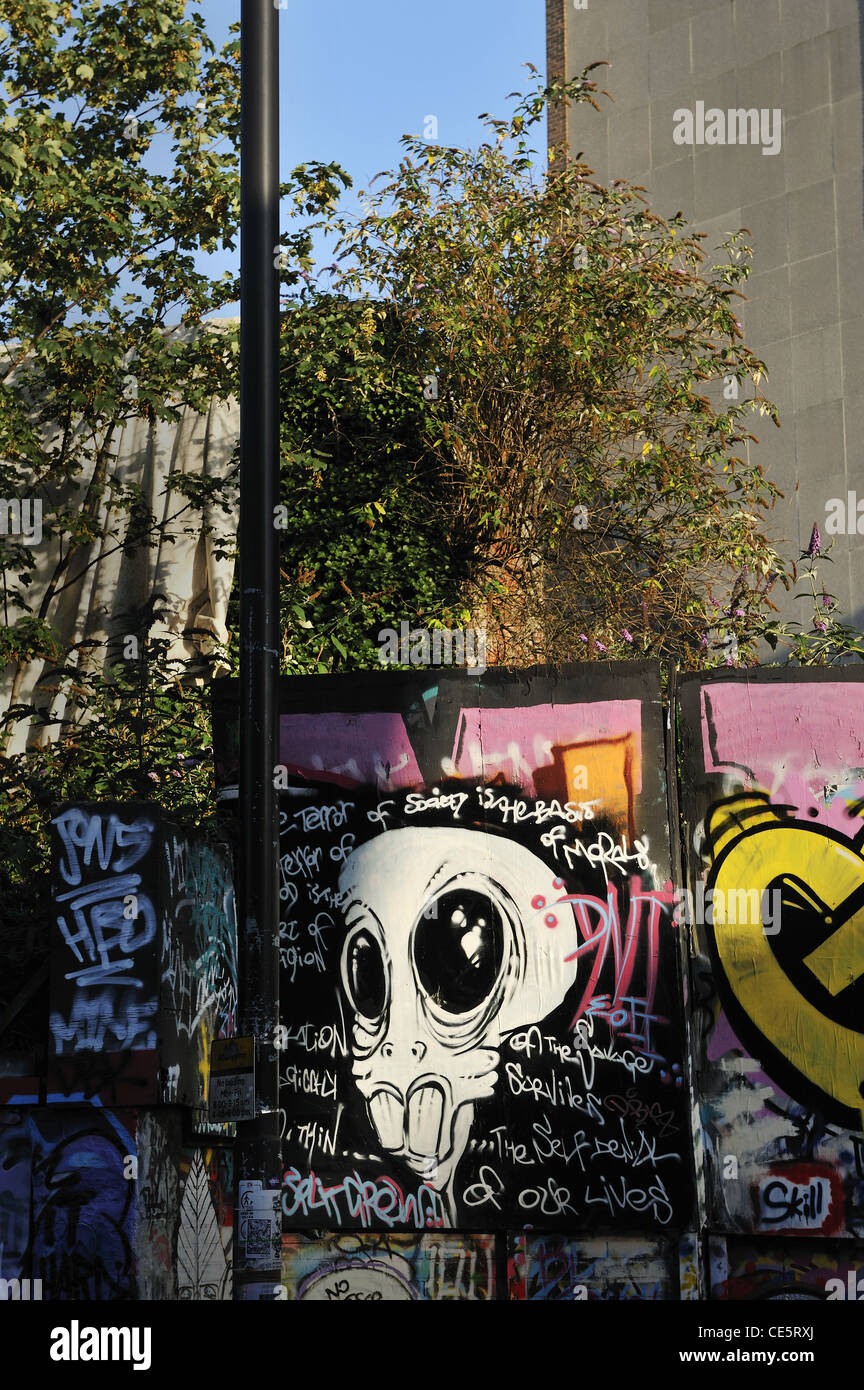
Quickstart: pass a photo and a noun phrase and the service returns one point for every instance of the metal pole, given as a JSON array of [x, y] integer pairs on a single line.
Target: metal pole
[[259, 1158]]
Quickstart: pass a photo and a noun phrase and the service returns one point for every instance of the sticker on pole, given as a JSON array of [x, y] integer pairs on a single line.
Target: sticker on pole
[[232, 1080], [260, 1227]]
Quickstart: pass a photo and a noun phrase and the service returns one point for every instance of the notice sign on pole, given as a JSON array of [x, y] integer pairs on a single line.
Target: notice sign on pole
[[232, 1080]]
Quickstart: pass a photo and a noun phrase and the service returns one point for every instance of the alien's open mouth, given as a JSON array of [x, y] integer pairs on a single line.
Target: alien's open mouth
[[412, 1127]]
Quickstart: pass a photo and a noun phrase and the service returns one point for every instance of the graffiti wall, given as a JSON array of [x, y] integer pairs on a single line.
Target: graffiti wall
[[198, 964], [83, 1167], [105, 1205], [206, 1225], [580, 1269], [773, 804], [104, 970], [158, 1138], [392, 1267], [480, 992], [101, 1195], [829, 1271], [16, 1148], [490, 1087], [144, 966]]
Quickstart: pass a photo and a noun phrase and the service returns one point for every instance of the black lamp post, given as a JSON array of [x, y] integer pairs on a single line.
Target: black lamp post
[[259, 1159]]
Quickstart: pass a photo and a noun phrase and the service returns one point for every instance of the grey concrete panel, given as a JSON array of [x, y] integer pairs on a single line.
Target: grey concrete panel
[[587, 36], [631, 17], [855, 542], [853, 359], [663, 13], [668, 59], [808, 148], [760, 177], [720, 91], [847, 135], [767, 315], [816, 367], [760, 84], [819, 436], [843, 581], [807, 75], [811, 221], [817, 488], [853, 612], [589, 133], [802, 19], [774, 452], [813, 287], [842, 12], [854, 481], [664, 150], [776, 384], [717, 172], [767, 221], [671, 188], [849, 209], [845, 56], [630, 144], [850, 279], [853, 412], [757, 29], [627, 78], [713, 42]]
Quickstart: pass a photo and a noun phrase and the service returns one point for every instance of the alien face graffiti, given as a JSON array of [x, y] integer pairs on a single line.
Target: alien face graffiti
[[454, 941]]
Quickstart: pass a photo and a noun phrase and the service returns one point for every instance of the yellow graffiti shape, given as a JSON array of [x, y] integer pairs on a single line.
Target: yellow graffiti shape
[[827, 1053]]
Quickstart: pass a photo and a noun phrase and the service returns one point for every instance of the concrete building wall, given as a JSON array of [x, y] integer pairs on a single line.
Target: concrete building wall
[[804, 313]]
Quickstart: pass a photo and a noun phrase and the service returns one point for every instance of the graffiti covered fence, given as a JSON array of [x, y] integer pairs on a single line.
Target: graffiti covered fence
[[544, 1036], [482, 1024], [772, 775], [113, 1184]]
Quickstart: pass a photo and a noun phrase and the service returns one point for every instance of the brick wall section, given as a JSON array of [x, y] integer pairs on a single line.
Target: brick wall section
[[556, 66]]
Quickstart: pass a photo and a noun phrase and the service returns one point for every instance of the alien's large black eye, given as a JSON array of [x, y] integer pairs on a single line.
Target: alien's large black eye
[[365, 976], [459, 948]]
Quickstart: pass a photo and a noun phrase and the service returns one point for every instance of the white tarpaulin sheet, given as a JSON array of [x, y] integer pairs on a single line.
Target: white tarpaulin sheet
[[104, 583]]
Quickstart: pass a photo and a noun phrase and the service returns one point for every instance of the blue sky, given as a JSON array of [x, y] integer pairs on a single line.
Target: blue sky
[[356, 76]]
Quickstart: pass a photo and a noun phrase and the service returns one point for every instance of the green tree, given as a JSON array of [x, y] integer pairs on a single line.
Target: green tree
[[581, 347], [98, 257], [118, 169], [367, 541], [119, 130], [509, 412], [146, 737]]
